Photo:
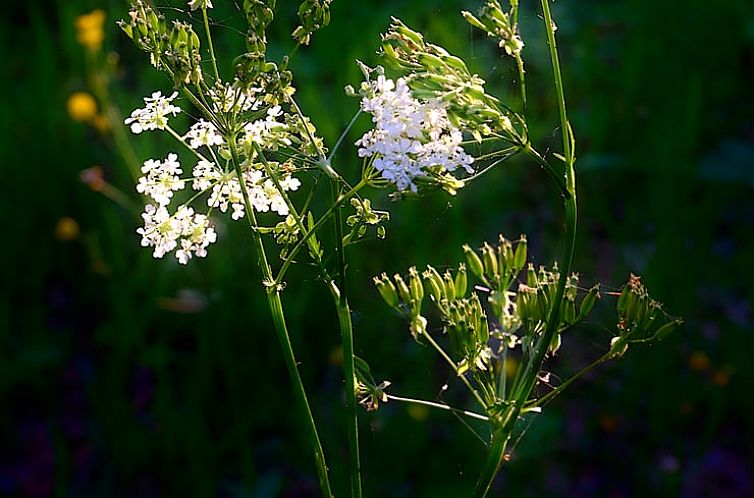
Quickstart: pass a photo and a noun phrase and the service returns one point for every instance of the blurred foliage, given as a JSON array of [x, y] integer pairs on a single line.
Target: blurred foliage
[[125, 376]]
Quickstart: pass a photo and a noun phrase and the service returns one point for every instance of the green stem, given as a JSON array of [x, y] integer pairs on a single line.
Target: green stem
[[453, 365], [209, 42], [549, 396], [441, 406], [278, 317], [339, 293], [528, 379], [325, 217]]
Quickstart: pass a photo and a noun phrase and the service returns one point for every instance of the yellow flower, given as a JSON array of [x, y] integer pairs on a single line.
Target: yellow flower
[[82, 106], [89, 32], [67, 229]]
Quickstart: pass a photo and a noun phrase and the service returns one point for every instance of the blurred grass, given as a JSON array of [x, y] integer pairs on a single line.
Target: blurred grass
[[107, 392]]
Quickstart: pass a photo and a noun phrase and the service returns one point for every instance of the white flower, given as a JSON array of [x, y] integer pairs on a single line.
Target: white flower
[[161, 179], [155, 114], [411, 137], [203, 133], [234, 98], [199, 4], [163, 232]]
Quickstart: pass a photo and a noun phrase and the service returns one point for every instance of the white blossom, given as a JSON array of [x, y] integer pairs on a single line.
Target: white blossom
[[155, 114], [198, 4], [234, 98], [164, 232], [411, 137], [203, 133], [160, 179]]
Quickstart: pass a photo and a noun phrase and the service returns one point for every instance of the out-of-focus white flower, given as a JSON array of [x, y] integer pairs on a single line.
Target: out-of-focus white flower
[[411, 137], [203, 133], [161, 179], [155, 114], [200, 4]]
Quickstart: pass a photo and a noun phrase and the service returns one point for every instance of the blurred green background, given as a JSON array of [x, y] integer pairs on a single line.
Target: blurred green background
[[124, 376]]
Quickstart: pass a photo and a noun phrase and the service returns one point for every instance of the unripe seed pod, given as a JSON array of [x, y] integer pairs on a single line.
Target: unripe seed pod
[[386, 290], [490, 262], [475, 263], [403, 290], [519, 256], [588, 302], [531, 276], [415, 285], [449, 286], [461, 280], [435, 283]]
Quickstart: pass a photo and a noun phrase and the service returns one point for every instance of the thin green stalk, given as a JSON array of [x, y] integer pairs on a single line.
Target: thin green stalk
[[441, 406], [303, 240], [453, 365], [209, 42], [339, 293], [523, 389], [343, 135], [278, 317], [549, 396]]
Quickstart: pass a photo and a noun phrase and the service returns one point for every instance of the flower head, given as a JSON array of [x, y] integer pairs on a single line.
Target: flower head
[[412, 139], [155, 114]]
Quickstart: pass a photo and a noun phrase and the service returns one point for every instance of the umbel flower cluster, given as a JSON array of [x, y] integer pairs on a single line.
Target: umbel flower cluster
[[412, 139], [185, 231]]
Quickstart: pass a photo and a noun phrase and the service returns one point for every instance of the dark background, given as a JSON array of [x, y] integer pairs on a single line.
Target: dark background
[[124, 376]]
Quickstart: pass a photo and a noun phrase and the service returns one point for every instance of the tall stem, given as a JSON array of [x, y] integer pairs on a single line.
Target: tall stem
[[209, 42], [281, 329], [340, 297], [528, 379]]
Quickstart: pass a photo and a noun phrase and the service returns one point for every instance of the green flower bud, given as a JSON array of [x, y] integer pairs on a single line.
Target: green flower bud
[[531, 276]]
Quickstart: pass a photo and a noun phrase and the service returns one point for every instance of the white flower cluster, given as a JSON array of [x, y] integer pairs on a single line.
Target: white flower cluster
[[411, 138], [155, 114], [164, 231], [187, 232], [226, 190], [232, 97], [200, 4]]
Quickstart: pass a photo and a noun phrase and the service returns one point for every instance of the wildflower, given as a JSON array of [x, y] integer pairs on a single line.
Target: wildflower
[[93, 177], [161, 179], [163, 231], [67, 229], [412, 139], [155, 114], [234, 98], [89, 31], [81, 106], [200, 4], [203, 133]]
